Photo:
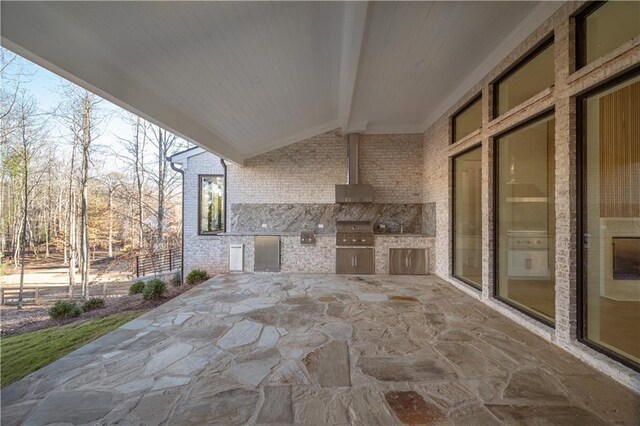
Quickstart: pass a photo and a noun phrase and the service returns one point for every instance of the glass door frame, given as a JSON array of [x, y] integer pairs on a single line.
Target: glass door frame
[[581, 188], [477, 287], [550, 112]]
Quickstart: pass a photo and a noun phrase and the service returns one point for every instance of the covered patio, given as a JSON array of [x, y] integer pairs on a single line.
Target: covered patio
[[320, 349]]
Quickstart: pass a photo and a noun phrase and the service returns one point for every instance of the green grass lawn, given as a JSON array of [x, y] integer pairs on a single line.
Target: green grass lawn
[[25, 353]]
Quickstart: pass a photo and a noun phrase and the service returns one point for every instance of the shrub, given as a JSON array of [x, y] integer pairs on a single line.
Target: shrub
[[197, 276], [64, 309], [137, 287], [154, 289], [92, 304], [176, 280]]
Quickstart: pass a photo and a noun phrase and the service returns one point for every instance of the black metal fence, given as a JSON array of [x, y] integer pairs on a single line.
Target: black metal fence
[[161, 261], [44, 293]]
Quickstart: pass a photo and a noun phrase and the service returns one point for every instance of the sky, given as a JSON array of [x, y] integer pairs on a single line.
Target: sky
[[46, 88]]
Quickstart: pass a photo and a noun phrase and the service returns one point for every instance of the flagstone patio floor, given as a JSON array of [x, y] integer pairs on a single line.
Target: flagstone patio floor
[[319, 349]]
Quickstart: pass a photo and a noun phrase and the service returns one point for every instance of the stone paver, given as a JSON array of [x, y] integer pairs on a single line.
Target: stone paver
[[319, 349]]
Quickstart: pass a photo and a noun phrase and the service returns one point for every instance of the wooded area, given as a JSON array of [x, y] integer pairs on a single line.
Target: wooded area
[[63, 191]]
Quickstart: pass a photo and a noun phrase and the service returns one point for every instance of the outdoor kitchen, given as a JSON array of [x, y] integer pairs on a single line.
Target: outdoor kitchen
[[362, 212]]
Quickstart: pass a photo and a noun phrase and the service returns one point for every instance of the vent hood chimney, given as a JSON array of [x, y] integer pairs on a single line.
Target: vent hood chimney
[[353, 191]]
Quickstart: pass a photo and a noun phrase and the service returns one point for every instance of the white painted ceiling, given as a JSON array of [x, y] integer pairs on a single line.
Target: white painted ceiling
[[241, 79]]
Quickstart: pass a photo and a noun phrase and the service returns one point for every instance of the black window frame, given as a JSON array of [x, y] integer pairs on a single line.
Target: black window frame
[[581, 188], [581, 31], [524, 60], [462, 109], [224, 203], [550, 112], [477, 287]]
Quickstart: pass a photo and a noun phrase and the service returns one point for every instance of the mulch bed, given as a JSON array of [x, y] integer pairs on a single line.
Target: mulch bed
[[32, 318]]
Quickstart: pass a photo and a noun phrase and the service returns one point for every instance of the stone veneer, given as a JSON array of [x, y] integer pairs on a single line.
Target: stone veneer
[[561, 98], [288, 217]]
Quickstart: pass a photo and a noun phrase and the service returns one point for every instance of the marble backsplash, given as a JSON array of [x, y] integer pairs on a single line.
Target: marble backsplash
[[295, 217]]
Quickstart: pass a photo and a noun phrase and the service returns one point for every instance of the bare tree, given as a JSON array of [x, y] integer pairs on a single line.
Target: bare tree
[[23, 147]]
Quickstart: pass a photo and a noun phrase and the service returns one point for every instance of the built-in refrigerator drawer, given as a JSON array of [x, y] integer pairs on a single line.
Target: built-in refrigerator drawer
[[267, 253]]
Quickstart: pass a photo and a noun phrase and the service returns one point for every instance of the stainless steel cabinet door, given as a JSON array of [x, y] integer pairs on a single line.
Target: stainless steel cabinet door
[[267, 253], [407, 262], [364, 261], [345, 263], [417, 262], [355, 261]]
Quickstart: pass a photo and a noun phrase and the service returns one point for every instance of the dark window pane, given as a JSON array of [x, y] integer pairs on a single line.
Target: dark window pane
[[533, 76], [526, 218], [467, 225], [611, 218], [468, 120], [211, 204]]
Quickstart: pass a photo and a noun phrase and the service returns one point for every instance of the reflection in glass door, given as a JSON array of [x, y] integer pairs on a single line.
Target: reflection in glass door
[[610, 219], [467, 220], [525, 214]]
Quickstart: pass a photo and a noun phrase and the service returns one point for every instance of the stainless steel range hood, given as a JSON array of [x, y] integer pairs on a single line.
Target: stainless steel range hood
[[353, 191]]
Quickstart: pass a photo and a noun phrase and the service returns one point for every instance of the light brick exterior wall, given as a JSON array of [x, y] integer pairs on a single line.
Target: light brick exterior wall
[[307, 171], [393, 165], [304, 172], [200, 251], [438, 153]]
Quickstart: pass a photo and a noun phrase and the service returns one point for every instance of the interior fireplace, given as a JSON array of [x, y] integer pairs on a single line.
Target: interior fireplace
[[626, 258]]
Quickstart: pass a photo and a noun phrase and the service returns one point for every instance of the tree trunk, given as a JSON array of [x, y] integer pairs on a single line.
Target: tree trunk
[[25, 208], [72, 243], [110, 222], [162, 164], [84, 203], [140, 179], [71, 222]]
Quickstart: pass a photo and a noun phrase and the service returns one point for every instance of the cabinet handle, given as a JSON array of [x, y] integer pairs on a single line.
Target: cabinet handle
[[409, 261], [356, 259], [353, 262]]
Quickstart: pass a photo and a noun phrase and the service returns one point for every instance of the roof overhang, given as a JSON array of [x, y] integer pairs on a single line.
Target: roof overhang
[[240, 79]]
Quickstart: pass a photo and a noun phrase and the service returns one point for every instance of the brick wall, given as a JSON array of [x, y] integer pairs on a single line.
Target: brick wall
[[199, 251], [561, 98], [307, 171]]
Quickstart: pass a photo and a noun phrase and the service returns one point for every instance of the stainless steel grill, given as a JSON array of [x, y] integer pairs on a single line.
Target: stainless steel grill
[[354, 233]]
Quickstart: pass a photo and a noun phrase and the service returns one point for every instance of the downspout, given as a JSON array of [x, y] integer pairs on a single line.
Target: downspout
[[173, 166], [224, 167]]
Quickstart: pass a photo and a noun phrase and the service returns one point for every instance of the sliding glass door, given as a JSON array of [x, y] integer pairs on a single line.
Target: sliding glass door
[[467, 217], [610, 220], [525, 215]]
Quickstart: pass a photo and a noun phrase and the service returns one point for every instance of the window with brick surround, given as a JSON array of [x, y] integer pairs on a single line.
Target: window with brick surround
[[604, 26], [467, 120], [211, 201], [531, 75], [609, 220]]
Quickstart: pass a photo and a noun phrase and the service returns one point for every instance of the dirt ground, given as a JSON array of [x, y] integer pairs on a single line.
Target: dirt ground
[[109, 276], [36, 317]]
